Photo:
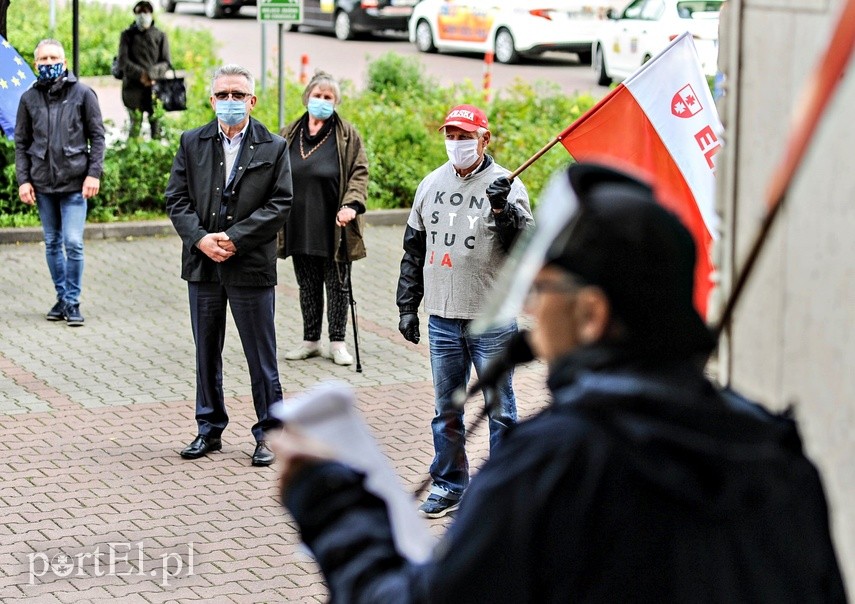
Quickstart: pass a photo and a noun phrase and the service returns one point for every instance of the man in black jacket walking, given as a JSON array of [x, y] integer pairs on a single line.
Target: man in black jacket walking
[[59, 155], [641, 482], [143, 58], [228, 195]]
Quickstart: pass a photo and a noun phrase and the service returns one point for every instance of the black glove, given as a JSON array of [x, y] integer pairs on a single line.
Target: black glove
[[409, 327], [498, 193]]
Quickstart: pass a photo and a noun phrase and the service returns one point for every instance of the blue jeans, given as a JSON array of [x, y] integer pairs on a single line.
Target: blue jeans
[[253, 311], [453, 351], [63, 217]]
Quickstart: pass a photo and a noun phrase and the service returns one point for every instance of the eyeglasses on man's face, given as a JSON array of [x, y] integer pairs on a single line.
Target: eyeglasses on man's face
[[235, 94], [561, 286]]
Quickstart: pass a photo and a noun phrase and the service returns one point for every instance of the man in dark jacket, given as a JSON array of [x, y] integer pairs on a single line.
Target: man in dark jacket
[[59, 155], [228, 195], [143, 58], [641, 482]]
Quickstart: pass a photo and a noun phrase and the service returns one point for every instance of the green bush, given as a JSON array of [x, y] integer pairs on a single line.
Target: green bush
[[397, 113]]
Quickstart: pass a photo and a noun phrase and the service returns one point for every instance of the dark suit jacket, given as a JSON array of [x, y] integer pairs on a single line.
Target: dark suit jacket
[[261, 195]]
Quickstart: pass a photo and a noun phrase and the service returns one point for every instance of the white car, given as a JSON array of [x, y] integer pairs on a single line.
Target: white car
[[510, 29], [645, 27]]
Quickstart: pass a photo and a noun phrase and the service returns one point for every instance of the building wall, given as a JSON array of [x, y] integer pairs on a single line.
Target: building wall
[[792, 340]]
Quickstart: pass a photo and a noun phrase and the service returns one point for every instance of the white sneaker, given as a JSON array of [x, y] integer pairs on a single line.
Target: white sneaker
[[340, 356], [303, 351]]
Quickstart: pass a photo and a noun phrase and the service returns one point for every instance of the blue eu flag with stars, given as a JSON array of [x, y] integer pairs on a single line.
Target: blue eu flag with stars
[[15, 78]]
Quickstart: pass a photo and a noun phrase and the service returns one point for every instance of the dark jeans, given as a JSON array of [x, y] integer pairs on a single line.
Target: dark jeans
[[252, 310]]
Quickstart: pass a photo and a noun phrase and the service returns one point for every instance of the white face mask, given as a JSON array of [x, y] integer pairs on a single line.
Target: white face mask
[[463, 153], [144, 20]]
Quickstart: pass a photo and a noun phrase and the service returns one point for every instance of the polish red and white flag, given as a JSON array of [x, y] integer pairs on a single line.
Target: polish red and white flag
[[662, 124]]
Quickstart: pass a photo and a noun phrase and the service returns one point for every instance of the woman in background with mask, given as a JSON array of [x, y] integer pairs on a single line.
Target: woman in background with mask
[[329, 169], [143, 58]]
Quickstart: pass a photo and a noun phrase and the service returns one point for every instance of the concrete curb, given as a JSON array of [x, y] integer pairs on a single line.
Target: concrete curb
[[159, 228]]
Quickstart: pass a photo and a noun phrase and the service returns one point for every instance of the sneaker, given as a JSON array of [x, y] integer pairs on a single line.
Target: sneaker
[[57, 313], [73, 318], [303, 351], [437, 506]]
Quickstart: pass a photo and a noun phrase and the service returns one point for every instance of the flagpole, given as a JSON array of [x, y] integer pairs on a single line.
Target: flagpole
[[534, 158], [806, 115], [560, 137]]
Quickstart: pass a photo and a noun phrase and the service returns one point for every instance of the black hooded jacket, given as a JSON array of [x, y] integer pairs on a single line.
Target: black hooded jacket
[[59, 136], [636, 485]]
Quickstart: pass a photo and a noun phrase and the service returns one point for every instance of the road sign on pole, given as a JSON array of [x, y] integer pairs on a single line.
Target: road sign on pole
[[280, 11]]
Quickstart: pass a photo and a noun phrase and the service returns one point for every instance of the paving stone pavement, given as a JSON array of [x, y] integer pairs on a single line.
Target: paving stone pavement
[[92, 419]]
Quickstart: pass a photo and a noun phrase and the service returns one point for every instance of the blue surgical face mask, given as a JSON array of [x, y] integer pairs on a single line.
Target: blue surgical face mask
[[319, 108], [48, 73], [231, 113]]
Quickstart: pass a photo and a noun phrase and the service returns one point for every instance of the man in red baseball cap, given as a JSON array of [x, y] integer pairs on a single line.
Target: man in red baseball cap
[[465, 216]]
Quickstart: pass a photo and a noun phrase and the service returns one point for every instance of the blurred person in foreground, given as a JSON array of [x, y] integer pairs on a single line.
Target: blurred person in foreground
[[642, 481], [330, 173], [59, 157], [143, 58], [466, 215], [228, 195]]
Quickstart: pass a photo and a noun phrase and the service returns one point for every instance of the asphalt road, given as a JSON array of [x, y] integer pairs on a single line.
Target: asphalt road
[[241, 42]]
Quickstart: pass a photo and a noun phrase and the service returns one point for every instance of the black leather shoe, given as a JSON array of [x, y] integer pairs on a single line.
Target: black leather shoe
[[201, 446], [263, 456]]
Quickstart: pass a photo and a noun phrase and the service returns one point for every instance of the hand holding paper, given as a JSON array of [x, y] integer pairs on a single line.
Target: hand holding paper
[[322, 424]]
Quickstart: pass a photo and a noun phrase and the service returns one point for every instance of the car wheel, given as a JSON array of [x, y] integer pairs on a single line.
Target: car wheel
[[343, 28], [424, 37], [213, 10], [504, 45], [599, 64], [584, 57], [168, 5]]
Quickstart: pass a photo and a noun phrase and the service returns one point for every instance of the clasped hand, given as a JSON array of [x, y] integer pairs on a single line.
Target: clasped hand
[[217, 246]]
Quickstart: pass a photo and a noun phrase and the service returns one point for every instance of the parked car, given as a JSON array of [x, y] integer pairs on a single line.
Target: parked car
[[214, 9], [645, 27], [348, 18], [510, 30]]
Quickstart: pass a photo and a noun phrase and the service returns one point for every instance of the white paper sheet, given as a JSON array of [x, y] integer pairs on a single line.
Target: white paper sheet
[[328, 414]]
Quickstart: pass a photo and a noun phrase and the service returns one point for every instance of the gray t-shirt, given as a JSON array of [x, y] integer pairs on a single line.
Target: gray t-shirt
[[463, 253]]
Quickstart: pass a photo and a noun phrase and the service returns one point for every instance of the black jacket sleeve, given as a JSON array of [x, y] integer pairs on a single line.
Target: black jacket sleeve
[[510, 222], [411, 286], [349, 532]]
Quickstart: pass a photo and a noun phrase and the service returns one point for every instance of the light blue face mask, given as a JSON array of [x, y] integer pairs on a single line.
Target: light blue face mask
[[319, 108], [231, 113]]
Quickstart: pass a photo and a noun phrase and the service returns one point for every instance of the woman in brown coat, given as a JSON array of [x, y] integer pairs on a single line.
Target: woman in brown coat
[[329, 169]]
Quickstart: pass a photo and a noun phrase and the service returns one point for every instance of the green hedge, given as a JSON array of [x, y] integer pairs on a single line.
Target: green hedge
[[397, 113]]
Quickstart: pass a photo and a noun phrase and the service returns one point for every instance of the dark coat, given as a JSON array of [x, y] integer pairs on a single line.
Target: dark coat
[[141, 51], [636, 485], [59, 136], [259, 205], [353, 170]]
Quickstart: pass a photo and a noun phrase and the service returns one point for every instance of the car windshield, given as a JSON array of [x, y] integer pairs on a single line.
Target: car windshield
[[699, 9]]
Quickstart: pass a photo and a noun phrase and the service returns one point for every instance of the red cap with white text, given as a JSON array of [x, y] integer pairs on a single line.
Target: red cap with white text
[[466, 117]]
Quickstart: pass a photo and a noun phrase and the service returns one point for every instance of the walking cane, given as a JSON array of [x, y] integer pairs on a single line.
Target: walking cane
[[348, 283]]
